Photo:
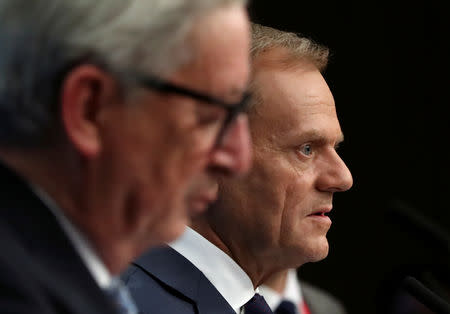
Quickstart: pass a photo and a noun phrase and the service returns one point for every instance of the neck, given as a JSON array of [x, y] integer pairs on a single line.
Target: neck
[[60, 174], [278, 281], [259, 266], [48, 170]]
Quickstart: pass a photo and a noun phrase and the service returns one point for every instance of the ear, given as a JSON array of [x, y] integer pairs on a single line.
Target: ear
[[85, 92]]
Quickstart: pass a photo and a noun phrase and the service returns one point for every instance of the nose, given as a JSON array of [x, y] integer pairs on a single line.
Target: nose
[[336, 176], [233, 154]]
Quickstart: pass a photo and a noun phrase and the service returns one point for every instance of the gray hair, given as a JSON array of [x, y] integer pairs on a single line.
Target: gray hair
[[296, 46], [41, 40]]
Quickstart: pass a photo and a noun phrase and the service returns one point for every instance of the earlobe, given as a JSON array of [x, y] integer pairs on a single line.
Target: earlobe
[[82, 98]]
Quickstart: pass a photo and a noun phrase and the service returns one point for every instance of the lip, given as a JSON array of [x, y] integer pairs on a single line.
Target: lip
[[321, 211], [321, 215], [321, 220]]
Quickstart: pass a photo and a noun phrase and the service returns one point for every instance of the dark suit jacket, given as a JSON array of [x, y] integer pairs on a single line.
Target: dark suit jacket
[[40, 271], [163, 281]]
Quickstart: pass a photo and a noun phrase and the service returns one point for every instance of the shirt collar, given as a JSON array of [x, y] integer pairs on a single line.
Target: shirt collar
[[220, 269], [292, 291], [272, 297], [87, 253]]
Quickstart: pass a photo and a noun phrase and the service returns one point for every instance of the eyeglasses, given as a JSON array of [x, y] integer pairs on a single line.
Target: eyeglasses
[[232, 109]]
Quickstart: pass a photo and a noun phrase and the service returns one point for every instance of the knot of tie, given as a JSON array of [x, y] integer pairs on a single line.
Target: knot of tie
[[257, 305], [286, 307], [121, 297]]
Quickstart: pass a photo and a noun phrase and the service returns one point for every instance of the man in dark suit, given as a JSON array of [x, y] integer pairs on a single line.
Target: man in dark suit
[[274, 218], [113, 117]]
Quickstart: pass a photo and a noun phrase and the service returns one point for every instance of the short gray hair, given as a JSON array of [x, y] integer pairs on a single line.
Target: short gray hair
[[296, 46], [40, 40]]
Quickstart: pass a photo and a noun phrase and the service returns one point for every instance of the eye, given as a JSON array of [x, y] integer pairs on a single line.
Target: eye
[[210, 117], [306, 149], [208, 120]]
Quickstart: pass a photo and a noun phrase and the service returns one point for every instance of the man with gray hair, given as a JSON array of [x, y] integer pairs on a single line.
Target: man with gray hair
[[274, 218], [114, 117], [283, 290]]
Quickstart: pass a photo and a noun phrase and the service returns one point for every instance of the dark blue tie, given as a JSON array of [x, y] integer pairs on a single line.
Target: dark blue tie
[[121, 297], [286, 307], [257, 305]]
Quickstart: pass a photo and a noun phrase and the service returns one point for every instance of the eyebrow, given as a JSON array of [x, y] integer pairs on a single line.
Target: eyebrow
[[316, 136]]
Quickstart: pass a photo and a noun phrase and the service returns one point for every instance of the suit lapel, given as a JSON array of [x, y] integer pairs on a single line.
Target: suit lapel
[[173, 270], [210, 300]]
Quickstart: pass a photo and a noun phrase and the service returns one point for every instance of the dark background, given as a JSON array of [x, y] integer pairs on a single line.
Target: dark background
[[389, 73]]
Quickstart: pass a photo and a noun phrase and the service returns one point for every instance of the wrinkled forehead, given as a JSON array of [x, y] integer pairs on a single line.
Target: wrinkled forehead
[[292, 101]]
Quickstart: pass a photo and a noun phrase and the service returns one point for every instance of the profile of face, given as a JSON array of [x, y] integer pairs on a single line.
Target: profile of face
[[158, 150], [172, 145], [282, 204]]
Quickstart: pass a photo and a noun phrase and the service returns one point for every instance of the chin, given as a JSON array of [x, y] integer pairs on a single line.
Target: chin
[[175, 231], [317, 251], [319, 256], [166, 232], [197, 208]]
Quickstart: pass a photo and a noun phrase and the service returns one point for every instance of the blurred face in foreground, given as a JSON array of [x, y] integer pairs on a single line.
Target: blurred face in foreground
[[169, 141], [280, 208], [150, 155]]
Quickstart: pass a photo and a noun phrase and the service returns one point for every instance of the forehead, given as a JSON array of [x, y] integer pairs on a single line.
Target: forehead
[[220, 43], [293, 102]]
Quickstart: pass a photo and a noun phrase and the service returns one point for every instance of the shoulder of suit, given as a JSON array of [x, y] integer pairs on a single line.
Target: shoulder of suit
[[318, 297]]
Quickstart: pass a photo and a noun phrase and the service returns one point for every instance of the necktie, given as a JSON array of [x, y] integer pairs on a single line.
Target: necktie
[[121, 297], [286, 307], [257, 305]]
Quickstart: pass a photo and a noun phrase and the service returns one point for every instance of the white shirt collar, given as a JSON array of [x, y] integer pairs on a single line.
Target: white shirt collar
[[220, 269], [292, 292], [87, 253], [272, 297]]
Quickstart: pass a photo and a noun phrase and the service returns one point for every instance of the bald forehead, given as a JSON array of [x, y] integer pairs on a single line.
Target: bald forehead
[[293, 103], [274, 60]]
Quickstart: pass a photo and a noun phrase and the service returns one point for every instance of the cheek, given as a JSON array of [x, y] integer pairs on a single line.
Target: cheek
[[153, 160], [189, 160], [266, 193], [298, 204], [297, 200], [279, 187], [181, 152], [263, 192]]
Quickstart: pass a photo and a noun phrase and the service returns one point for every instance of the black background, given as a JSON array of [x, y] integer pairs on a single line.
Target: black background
[[389, 73]]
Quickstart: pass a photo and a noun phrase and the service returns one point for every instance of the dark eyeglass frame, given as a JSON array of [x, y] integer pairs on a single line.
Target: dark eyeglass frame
[[232, 109]]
